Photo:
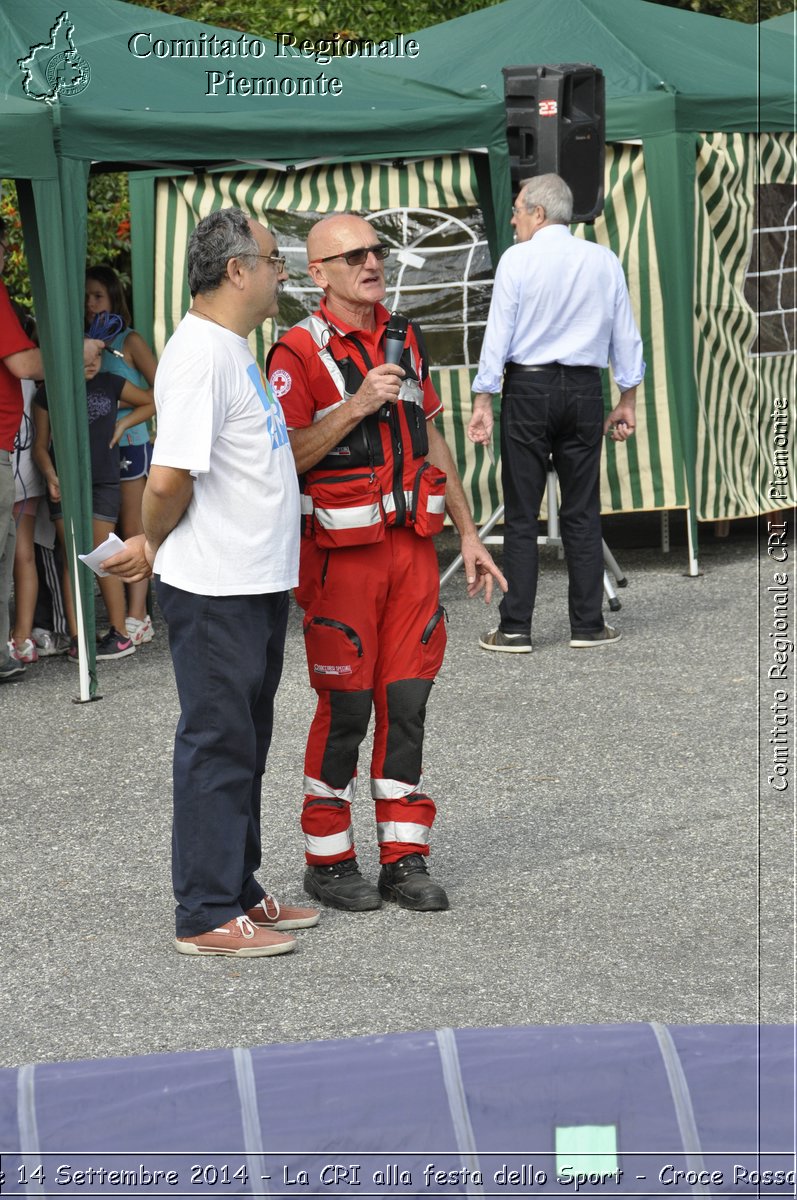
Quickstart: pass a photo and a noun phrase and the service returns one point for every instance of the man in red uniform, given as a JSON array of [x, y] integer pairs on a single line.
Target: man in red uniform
[[377, 480]]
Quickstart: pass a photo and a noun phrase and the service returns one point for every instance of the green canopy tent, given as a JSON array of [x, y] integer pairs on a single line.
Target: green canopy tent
[[684, 103], [118, 86], [692, 128]]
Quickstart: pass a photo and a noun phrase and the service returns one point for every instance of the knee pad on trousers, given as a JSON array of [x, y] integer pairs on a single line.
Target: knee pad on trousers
[[406, 714], [349, 714]]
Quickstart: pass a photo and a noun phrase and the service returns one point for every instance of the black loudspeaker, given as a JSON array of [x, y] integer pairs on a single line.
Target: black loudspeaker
[[556, 122]]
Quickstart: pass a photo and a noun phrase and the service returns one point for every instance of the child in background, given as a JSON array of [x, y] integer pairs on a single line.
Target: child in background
[[29, 489], [104, 294], [106, 427]]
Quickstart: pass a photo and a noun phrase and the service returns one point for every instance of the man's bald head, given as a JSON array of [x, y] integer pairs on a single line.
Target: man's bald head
[[352, 289], [336, 233]]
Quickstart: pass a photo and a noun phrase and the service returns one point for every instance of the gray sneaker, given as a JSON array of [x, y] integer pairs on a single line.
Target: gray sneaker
[[508, 643], [48, 643], [11, 670], [604, 637]]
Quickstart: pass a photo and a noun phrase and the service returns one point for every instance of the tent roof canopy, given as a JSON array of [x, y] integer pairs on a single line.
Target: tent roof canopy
[[708, 66], [143, 106], [148, 102]]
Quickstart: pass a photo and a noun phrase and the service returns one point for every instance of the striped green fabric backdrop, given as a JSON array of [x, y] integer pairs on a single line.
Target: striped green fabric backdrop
[[736, 390], [182, 202], [645, 473]]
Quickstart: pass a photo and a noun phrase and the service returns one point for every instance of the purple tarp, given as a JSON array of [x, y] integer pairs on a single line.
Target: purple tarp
[[633, 1110]]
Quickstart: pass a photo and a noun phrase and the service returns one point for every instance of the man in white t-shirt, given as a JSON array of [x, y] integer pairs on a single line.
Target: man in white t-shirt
[[221, 521]]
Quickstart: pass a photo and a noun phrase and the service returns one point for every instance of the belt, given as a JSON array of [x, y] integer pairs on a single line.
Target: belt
[[554, 366]]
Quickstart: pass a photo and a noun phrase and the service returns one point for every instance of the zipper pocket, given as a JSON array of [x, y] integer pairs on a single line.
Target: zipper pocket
[[346, 630]]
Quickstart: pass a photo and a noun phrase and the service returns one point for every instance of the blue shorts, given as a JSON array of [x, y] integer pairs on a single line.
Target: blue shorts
[[104, 503], [134, 461]]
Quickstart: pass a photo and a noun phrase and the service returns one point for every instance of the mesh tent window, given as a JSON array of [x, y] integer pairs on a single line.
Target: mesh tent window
[[769, 285]]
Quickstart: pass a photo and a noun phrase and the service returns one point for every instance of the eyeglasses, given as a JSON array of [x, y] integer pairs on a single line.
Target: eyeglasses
[[356, 258], [278, 260], [517, 210]]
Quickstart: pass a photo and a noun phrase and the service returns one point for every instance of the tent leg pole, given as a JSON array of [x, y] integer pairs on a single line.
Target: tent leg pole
[[454, 566], [82, 663], [693, 569]]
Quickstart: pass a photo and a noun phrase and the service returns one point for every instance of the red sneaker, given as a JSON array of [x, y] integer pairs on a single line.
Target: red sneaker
[[238, 937], [270, 914]]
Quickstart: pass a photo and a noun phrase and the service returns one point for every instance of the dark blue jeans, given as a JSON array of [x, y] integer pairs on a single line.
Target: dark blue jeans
[[556, 412], [227, 653]]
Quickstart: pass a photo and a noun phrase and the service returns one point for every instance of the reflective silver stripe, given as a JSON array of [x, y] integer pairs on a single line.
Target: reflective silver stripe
[[250, 1121], [403, 831], [393, 789], [436, 504], [306, 503], [317, 328], [315, 787], [359, 516], [334, 843], [320, 333], [319, 416], [389, 501]]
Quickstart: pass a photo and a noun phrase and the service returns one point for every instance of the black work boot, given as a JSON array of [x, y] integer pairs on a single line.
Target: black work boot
[[407, 882], [341, 885]]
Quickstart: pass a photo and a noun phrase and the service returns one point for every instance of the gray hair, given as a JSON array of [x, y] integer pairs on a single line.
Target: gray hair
[[552, 194], [218, 237]]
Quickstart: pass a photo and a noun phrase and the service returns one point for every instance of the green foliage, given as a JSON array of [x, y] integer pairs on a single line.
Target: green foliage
[[748, 11], [15, 272], [384, 18], [108, 232], [374, 19]]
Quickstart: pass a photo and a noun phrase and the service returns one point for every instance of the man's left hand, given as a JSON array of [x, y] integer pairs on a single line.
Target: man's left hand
[[480, 570], [621, 421]]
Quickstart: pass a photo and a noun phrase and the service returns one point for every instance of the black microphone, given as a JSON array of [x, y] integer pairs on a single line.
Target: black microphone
[[395, 337]]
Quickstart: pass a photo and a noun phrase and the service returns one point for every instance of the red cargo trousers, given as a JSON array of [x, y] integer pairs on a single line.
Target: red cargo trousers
[[375, 638]]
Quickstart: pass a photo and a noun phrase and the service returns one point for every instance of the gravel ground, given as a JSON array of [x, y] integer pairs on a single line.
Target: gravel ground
[[610, 846]]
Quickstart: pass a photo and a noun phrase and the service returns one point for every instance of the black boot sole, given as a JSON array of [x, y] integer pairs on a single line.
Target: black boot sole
[[413, 903], [344, 903]]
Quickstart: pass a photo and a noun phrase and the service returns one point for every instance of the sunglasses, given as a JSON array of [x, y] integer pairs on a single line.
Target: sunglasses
[[356, 258]]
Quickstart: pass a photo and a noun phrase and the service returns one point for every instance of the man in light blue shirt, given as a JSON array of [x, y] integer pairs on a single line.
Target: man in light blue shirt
[[560, 312]]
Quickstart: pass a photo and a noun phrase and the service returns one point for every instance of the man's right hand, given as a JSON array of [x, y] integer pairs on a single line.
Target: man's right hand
[[480, 426], [381, 386]]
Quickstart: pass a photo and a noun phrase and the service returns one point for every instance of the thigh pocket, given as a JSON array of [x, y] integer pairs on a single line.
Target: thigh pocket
[[334, 654], [433, 643]]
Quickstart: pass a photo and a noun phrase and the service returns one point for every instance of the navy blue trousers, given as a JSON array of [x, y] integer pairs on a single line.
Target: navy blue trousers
[[553, 413], [227, 653]]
